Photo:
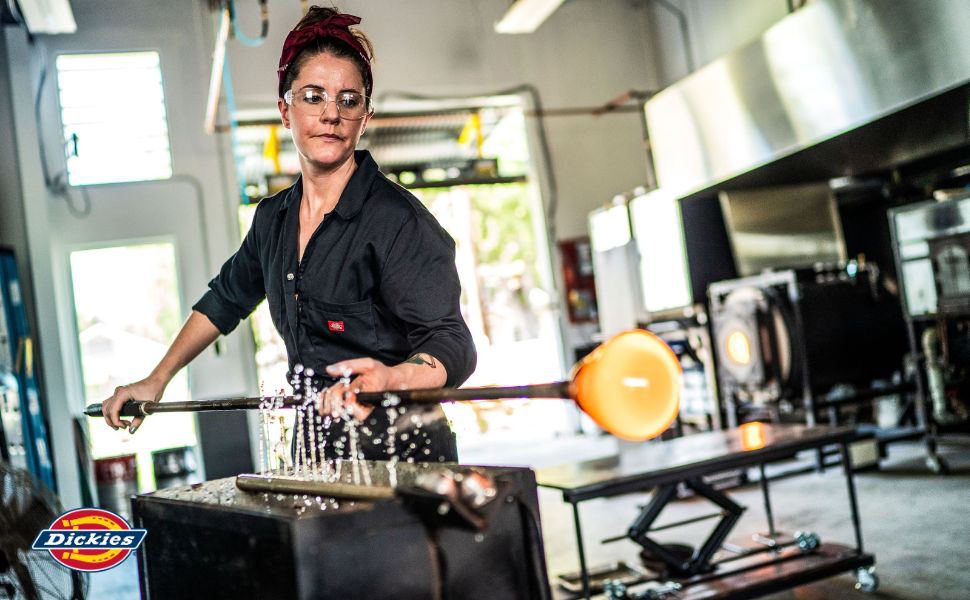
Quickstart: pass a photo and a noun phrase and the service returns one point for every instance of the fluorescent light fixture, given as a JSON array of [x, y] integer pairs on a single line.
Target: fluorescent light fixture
[[48, 16], [525, 16]]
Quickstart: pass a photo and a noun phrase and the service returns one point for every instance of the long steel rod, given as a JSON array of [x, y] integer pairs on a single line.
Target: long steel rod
[[848, 469], [134, 408], [288, 485], [665, 526], [767, 500], [583, 569]]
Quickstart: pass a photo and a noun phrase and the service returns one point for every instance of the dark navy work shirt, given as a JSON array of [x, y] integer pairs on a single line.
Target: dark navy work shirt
[[377, 279]]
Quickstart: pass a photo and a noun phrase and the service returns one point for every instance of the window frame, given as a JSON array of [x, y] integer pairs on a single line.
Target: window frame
[[60, 114]]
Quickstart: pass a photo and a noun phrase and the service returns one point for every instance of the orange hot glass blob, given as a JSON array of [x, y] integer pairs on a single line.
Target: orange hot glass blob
[[630, 385], [752, 435]]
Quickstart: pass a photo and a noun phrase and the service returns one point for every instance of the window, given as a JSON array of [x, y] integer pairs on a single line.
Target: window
[[127, 310], [113, 114]]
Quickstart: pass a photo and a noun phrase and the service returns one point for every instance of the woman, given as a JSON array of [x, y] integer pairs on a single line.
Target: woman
[[359, 277]]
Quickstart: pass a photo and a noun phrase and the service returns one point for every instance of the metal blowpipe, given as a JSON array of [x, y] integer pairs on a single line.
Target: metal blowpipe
[[135, 408], [629, 385]]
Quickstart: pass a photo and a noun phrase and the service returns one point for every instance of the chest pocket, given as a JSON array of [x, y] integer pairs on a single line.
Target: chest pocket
[[342, 325]]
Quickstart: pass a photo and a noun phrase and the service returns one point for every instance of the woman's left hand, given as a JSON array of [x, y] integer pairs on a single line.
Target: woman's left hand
[[371, 376]]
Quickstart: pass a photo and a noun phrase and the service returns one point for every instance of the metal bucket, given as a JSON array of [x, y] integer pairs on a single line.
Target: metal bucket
[[175, 467], [117, 480]]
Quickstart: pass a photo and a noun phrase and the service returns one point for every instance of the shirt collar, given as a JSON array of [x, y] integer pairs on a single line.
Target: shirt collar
[[353, 197]]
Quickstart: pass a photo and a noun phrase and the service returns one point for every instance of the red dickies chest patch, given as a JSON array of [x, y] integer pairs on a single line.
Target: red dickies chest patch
[[335, 325]]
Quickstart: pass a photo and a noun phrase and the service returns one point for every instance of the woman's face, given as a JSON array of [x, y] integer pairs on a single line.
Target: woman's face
[[325, 141]]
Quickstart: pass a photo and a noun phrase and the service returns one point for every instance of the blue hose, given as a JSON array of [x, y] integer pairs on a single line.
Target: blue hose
[[238, 34]]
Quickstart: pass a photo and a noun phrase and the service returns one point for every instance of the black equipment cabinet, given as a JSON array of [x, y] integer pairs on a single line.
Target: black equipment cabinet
[[931, 241], [784, 339], [212, 540]]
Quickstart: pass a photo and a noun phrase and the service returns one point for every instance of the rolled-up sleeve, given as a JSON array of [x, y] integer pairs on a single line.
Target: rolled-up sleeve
[[419, 284], [238, 288]]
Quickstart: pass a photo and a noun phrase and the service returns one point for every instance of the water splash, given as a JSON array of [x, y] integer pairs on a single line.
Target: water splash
[[390, 404], [263, 425], [323, 443], [300, 455]]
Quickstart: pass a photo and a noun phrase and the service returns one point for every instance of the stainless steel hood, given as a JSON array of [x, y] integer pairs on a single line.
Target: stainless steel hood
[[829, 68]]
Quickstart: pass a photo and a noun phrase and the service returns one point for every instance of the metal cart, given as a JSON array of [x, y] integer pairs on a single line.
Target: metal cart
[[709, 570], [931, 242]]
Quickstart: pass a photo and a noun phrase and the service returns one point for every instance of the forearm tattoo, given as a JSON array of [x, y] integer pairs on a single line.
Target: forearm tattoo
[[423, 359]]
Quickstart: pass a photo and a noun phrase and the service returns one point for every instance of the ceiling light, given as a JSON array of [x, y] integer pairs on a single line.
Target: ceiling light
[[525, 16], [48, 16]]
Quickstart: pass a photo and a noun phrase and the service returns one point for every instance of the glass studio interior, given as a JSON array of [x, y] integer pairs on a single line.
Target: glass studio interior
[[713, 258]]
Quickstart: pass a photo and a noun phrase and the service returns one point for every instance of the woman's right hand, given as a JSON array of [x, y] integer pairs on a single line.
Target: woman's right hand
[[149, 390]]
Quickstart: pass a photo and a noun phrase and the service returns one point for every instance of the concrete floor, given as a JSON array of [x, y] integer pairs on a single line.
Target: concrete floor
[[917, 524]]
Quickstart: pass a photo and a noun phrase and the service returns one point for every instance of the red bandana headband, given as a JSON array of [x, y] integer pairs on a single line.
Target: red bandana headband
[[337, 26]]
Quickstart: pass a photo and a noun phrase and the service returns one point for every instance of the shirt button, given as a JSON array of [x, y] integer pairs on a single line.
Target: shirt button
[[289, 276]]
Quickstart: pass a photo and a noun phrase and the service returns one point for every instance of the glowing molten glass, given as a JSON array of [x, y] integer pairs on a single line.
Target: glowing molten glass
[[738, 348], [630, 385]]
